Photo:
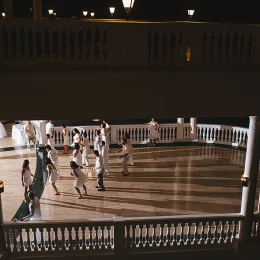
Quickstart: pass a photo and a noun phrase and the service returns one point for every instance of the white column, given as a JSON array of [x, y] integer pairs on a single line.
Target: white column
[[251, 171], [43, 139], [179, 136], [193, 125], [8, 9], [37, 9], [2, 233]]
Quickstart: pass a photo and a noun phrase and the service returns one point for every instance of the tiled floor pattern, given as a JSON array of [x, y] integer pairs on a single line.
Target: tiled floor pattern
[[171, 180]]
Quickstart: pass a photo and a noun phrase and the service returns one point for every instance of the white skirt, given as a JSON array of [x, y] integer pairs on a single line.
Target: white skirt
[[80, 180], [3, 132], [27, 181]]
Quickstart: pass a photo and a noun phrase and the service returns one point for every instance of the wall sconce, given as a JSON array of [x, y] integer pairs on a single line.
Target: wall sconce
[[92, 15], [128, 5], [1, 186], [85, 13], [190, 13], [50, 11], [244, 181], [112, 10], [3, 14]]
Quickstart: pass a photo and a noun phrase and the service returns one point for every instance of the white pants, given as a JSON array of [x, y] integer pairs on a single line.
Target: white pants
[[28, 139]]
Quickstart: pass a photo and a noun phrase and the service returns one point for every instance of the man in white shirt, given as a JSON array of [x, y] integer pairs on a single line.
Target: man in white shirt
[[104, 155], [50, 128], [50, 141], [124, 156], [99, 168], [30, 133], [108, 129], [53, 155]]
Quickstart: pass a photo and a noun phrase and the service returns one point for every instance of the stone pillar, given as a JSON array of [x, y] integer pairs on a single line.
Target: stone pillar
[[37, 9], [251, 171], [8, 9], [43, 139], [119, 235], [2, 233], [193, 125], [179, 136]]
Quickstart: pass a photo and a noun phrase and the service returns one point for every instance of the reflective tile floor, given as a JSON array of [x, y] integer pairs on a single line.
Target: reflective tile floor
[[165, 180]]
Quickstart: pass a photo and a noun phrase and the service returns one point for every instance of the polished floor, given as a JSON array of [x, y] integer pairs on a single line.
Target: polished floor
[[169, 180]]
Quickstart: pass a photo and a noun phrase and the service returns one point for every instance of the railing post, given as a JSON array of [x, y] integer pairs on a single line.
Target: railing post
[[37, 9], [250, 172], [119, 235], [193, 125], [8, 9], [180, 122], [42, 139], [2, 233], [113, 135]]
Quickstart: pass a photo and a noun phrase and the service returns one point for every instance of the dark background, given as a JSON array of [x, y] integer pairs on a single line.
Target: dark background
[[205, 10]]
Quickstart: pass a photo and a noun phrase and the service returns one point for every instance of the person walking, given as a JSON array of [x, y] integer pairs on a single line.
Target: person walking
[[131, 150], [124, 155], [26, 179], [50, 128], [99, 169], [30, 134], [80, 179], [104, 155], [64, 133], [85, 144], [53, 156], [52, 175]]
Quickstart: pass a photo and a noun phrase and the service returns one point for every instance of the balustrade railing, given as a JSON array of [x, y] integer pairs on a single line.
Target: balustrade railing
[[142, 234]]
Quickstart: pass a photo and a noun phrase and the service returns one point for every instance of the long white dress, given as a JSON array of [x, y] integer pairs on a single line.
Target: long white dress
[[97, 144], [154, 133], [3, 132], [27, 178], [85, 151], [65, 136]]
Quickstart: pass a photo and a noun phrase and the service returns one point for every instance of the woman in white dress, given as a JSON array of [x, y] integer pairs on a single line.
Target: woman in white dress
[[3, 132], [76, 138], [76, 155], [97, 141], [52, 175], [86, 149], [80, 179], [64, 133], [154, 131], [26, 179], [130, 160]]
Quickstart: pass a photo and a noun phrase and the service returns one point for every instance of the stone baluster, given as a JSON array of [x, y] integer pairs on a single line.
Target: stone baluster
[[208, 240], [188, 241], [56, 238], [28, 240], [147, 227], [140, 236], [133, 236], [70, 238], [20, 230], [128, 235], [83, 229], [102, 237], [215, 232], [35, 247], [161, 235], [234, 232], [181, 234], [174, 242], [63, 241], [195, 240], [90, 238], [49, 238], [42, 238], [77, 237], [168, 236], [109, 246], [154, 235], [202, 239], [228, 232], [221, 233]]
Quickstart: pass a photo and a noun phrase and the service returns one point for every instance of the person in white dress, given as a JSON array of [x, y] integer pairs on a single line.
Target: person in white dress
[[108, 130], [85, 144], [64, 133], [50, 142], [50, 128], [80, 179], [154, 131], [131, 151], [3, 132], [53, 155], [76, 155], [76, 138], [52, 175], [26, 179], [97, 141], [30, 133], [124, 155], [99, 169]]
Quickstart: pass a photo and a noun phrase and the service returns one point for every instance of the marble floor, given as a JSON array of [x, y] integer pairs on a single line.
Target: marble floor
[[166, 180]]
